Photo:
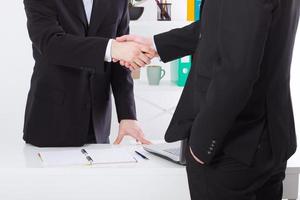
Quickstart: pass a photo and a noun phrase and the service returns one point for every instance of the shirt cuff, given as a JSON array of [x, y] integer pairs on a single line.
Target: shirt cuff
[[154, 45], [107, 57]]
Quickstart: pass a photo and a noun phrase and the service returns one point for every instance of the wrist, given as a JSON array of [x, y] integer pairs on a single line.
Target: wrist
[[114, 47]]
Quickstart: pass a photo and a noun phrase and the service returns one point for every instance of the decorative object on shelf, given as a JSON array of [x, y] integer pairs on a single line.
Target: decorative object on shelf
[[164, 10], [193, 10], [136, 74], [135, 12], [180, 69], [155, 74], [197, 9]]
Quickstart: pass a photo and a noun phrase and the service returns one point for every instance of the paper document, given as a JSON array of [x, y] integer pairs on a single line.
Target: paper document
[[86, 157]]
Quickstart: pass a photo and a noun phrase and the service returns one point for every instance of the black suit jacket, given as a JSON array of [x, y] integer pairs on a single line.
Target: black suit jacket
[[239, 85], [70, 77]]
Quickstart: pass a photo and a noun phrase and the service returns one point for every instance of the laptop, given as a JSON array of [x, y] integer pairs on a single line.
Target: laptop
[[174, 152]]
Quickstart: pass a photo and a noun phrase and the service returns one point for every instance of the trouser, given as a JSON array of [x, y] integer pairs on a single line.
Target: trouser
[[228, 179], [91, 138]]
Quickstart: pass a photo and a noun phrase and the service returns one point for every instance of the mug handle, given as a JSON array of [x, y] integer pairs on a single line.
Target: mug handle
[[163, 73]]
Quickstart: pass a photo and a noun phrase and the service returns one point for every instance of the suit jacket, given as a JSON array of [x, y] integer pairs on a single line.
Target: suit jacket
[[70, 78], [239, 85]]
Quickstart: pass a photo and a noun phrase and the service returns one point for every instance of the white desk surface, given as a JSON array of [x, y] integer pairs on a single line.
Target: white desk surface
[[22, 177], [22, 156]]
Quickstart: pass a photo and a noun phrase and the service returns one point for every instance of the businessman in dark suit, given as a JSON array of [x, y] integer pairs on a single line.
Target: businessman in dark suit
[[69, 102], [236, 109]]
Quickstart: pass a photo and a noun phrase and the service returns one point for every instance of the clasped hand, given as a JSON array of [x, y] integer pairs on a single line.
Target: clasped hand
[[133, 52]]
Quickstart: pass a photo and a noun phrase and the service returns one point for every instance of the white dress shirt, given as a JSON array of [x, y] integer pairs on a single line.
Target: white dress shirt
[[88, 6]]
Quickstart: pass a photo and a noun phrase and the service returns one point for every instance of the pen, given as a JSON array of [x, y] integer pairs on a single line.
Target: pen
[[144, 157], [84, 152]]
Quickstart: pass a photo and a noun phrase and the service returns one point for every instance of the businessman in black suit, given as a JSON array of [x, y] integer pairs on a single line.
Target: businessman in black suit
[[236, 108], [69, 102]]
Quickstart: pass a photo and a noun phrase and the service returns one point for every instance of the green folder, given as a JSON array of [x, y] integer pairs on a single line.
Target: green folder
[[180, 70]]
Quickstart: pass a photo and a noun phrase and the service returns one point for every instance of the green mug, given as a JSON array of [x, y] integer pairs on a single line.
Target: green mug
[[155, 74]]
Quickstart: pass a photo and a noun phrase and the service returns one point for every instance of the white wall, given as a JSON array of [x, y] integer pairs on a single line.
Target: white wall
[[17, 64]]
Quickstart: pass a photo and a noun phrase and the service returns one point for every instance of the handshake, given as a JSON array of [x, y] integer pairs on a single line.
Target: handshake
[[133, 52]]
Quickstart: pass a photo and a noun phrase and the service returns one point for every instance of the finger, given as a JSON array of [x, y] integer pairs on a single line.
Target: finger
[[141, 137], [119, 139], [151, 56], [122, 62], [147, 49], [141, 60], [145, 141], [145, 59], [139, 63], [195, 157], [134, 65], [121, 39], [134, 133], [125, 38], [114, 60], [127, 64]]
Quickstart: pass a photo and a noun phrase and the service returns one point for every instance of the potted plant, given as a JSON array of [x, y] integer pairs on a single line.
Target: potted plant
[[135, 11]]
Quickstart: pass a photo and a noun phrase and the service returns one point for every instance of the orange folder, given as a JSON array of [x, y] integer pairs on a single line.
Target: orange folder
[[191, 10]]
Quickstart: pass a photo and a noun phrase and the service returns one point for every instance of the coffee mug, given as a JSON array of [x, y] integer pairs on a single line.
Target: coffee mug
[[155, 74]]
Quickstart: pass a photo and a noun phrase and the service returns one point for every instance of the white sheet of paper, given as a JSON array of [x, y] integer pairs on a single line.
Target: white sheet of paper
[[110, 156], [63, 158]]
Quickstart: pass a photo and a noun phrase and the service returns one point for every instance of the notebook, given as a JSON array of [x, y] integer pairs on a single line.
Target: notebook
[[86, 157]]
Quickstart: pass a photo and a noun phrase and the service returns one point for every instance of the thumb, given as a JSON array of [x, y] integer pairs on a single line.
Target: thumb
[[127, 38], [123, 38]]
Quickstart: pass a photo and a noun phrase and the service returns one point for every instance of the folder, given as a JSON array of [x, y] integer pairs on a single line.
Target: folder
[[86, 157], [180, 70], [191, 10]]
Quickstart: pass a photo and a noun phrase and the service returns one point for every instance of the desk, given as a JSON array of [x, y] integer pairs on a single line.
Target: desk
[[22, 177]]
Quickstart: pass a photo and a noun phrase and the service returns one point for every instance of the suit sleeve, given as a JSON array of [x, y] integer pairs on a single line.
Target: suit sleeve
[[242, 36], [121, 80], [178, 43], [59, 47]]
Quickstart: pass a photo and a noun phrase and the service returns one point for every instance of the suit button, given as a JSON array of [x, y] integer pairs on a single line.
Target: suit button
[[200, 36], [209, 152], [210, 148], [214, 142]]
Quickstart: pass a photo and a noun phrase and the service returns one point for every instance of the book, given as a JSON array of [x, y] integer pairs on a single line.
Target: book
[[86, 157]]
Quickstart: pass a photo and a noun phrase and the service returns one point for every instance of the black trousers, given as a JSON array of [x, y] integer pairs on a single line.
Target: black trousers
[[91, 138], [229, 179]]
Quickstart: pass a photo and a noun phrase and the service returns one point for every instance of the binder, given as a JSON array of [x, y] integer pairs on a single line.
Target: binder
[[66, 157], [197, 9], [191, 10], [180, 70]]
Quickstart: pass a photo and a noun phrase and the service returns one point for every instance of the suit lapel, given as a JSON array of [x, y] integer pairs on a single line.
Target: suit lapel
[[100, 8], [77, 8]]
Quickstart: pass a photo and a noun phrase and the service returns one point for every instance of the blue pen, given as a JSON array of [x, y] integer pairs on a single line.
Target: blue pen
[[144, 157]]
